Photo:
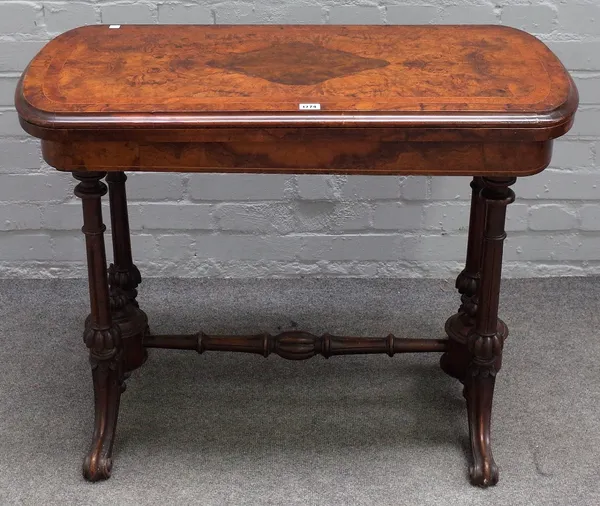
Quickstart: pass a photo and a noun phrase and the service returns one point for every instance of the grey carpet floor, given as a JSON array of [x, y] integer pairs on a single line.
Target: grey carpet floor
[[232, 429]]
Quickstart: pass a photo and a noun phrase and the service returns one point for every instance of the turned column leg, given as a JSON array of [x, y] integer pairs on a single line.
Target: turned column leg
[[455, 361], [101, 336], [486, 339], [124, 278]]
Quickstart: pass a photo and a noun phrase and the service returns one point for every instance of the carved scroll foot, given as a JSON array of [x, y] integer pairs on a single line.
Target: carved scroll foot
[[107, 377], [479, 392]]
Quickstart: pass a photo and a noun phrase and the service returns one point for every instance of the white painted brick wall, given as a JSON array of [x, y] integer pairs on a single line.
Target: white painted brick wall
[[277, 225]]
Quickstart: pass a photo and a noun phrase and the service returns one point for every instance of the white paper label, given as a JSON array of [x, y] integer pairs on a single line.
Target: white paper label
[[114, 27], [313, 107]]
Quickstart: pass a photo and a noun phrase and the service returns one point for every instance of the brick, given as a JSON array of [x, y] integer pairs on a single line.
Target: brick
[[517, 216], [579, 18], [350, 247], [143, 244], [235, 12], [321, 215], [184, 14], [394, 216], [127, 13], [576, 54], [314, 215], [15, 56], [23, 247], [590, 217], [69, 248], [32, 187], [415, 188], [355, 15], [572, 154], [412, 14], [316, 187], [7, 90], [469, 14], [225, 247], [447, 217], [589, 88], [563, 247], [291, 14], [238, 186], [451, 188], [9, 124], [596, 150], [153, 186], [586, 123], [531, 18], [63, 16], [556, 185], [434, 248], [552, 217], [174, 247], [19, 155], [18, 17], [266, 218], [172, 216], [371, 187], [20, 217], [352, 217]]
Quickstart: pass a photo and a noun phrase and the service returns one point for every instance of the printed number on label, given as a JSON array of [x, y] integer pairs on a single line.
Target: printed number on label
[[314, 107]]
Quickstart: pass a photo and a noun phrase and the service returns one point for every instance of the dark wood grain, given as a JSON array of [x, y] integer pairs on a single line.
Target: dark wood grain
[[296, 63], [209, 76], [458, 327], [331, 155], [397, 100], [124, 278], [297, 345], [485, 343], [101, 335]]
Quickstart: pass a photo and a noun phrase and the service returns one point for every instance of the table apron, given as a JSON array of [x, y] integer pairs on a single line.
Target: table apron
[[297, 156]]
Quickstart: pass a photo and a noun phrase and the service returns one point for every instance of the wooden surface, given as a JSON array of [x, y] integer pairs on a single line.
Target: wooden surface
[[203, 76], [454, 100], [332, 154]]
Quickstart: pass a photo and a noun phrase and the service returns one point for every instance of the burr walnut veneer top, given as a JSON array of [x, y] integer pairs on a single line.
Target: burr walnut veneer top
[[143, 76]]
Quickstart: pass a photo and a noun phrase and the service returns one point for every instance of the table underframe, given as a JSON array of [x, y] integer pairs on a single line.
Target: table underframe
[[117, 332]]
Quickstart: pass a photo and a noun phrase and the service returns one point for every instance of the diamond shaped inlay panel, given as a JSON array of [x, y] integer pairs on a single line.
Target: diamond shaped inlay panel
[[296, 63]]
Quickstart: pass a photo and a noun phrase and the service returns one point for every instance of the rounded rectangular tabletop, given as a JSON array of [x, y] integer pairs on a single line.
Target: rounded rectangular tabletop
[[161, 76]]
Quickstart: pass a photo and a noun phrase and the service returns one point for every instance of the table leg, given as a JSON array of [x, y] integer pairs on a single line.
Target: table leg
[[124, 278], [486, 339], [101, 335], [456, 360]]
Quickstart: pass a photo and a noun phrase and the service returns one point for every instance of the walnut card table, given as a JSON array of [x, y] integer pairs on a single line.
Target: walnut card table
[[482, 101]]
